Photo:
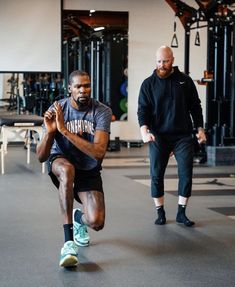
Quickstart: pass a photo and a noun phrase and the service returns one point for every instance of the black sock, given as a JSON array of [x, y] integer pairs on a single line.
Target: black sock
[[182, 218], [68, 232], [78, 216], [161, 215], [181, 208]]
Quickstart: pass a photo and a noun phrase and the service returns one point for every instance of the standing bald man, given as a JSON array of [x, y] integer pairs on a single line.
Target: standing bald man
[[168, 110]]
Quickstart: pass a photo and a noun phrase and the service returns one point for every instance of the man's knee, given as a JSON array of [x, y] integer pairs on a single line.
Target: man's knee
[[66, 173], [96, 222]]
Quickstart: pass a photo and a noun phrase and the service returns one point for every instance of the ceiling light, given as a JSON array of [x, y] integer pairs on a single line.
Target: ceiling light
[[99, 28]]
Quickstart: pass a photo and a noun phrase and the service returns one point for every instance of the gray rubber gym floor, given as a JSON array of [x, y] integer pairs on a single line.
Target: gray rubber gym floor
[[131, 250]]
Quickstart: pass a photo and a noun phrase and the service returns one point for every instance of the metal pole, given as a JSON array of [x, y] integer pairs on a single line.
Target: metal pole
[[216, 98], [97, 70], [92, 69], [232, 105], [225, 62], [186, 51], [108, 72], [66, 63], [80, 56]]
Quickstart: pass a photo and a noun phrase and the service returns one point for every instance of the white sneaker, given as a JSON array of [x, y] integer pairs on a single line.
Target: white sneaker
[[69, 255], [80, 233]]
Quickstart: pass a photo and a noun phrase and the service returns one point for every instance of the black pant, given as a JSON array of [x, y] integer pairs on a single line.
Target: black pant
[[183, 148]]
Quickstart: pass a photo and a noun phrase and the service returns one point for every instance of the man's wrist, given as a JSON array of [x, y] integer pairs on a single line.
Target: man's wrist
[[200, 129], [64, 132], [50, 133], [144, 129]]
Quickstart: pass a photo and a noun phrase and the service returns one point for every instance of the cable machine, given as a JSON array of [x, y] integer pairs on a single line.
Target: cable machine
[[103, 54], [220, 75]]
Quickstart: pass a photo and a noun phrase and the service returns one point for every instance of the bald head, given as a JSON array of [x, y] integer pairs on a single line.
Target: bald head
[[164, 50], [165, 60]]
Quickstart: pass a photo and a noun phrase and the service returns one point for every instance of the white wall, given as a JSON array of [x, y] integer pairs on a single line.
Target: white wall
[[150, 26], [1, 87], [30, 33]]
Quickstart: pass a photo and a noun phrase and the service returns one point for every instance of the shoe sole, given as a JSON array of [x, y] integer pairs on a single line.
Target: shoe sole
[[82, 244], [69, 261], [185, 224]]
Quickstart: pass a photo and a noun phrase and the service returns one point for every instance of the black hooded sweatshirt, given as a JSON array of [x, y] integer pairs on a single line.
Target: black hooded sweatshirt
[[170, 105]]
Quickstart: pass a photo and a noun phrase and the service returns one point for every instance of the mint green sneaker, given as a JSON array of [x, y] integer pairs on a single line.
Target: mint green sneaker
[[69, 255], [80, 233]]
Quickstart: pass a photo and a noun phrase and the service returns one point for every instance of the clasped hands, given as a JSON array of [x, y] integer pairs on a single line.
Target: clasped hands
[[54, 119]]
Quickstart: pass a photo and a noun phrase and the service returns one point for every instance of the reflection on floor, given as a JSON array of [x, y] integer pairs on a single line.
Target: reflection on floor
[[131, 250], [214, 184], [228, 211], [210, 186]]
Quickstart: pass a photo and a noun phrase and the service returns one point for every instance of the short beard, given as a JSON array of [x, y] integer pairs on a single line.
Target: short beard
[[82, 104], [164, 74]]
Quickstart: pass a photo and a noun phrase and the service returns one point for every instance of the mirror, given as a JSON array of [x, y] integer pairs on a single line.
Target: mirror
[[30, 93], [97, 42], [94, 41]]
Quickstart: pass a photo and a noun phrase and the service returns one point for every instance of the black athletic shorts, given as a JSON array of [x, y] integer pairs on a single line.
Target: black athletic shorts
[[85, 180]]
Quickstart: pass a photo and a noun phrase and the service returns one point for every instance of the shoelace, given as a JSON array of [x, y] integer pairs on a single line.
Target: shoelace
[[69, 249], [82, 230]]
